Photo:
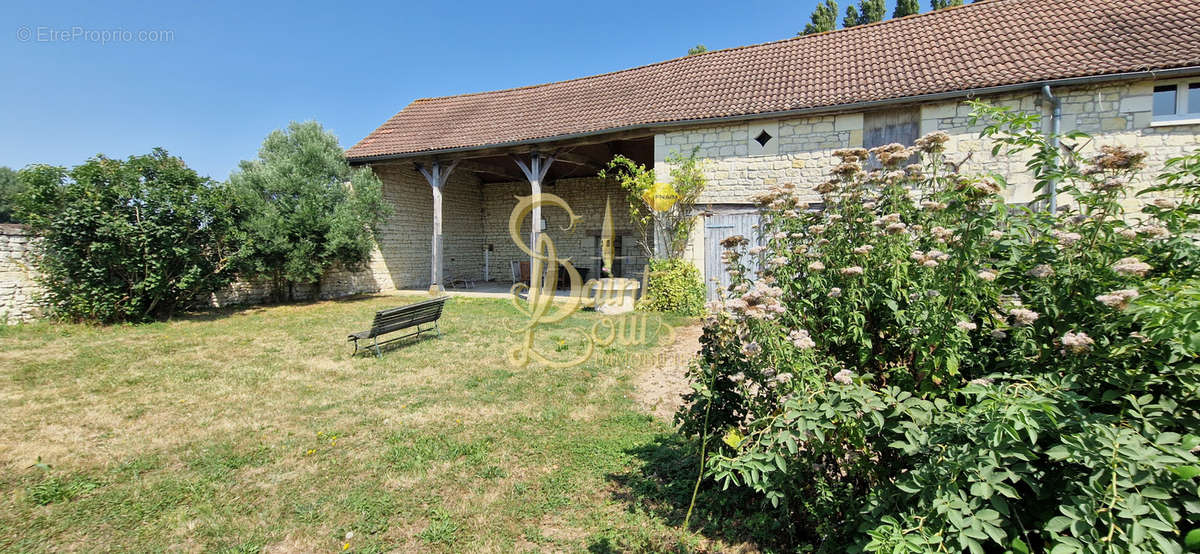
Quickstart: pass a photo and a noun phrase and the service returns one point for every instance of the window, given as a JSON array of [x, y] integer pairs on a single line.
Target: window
[[1176, 103], [882, 128], [763, 138], [1164, 100]]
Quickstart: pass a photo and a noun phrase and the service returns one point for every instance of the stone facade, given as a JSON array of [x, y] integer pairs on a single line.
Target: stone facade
[[403, 257], [735, 175], [475, 226], [18, 286], [586, 196], [1113, 113]]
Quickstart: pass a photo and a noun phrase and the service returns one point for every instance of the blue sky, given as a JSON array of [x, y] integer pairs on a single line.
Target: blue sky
[[233, 71]]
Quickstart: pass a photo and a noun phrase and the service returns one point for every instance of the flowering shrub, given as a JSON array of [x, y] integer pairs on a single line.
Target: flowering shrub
[[919, 368]]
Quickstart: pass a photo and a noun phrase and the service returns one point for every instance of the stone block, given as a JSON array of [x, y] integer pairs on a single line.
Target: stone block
[[1112, 124], [848, 122]]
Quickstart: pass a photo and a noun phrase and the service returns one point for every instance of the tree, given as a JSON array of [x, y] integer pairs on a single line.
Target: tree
[[302, 208], [697, 49], [824, 18], [130, 240], [906, 7], [10, 188], [669, 223], [939, 4], [868, 11]]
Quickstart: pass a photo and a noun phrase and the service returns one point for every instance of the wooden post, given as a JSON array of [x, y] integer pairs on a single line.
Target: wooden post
[[535, 171], [437, 175]]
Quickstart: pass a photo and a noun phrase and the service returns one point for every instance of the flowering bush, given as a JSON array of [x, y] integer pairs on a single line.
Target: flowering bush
[[918, 367]]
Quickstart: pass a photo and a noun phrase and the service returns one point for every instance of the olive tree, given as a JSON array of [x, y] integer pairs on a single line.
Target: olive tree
[[302, 209]]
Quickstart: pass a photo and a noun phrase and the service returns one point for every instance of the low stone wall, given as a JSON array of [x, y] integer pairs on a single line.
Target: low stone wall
[[19, 289], [336, 283], [18, 286]]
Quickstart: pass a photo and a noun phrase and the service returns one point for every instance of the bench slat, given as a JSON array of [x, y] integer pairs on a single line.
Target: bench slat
[[403, 317]]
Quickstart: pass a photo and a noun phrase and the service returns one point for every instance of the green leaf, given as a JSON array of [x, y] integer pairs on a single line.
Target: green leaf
[[1186, 472], [1059, 452], [1155, 492], [1058, 523], [1192, 540], [1019, 547]]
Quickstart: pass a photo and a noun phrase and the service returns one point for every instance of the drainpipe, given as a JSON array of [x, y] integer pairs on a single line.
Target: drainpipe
[[1055, 128]]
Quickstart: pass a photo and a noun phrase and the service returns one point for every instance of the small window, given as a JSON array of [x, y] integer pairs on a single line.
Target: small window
[[1177, 104], [763, 138], [1164, 100]]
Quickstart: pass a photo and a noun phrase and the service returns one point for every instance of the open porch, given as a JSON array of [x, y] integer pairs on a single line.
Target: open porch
[[449, 230]]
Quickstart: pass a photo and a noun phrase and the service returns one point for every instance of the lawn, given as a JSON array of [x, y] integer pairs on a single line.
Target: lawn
[[255, 430]]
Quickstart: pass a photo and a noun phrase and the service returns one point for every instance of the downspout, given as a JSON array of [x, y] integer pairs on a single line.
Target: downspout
[[1055, 128]]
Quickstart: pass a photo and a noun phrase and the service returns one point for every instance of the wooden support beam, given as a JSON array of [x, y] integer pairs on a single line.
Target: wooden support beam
[[535, 172], [575, 159], [490, 169], [437, 175]]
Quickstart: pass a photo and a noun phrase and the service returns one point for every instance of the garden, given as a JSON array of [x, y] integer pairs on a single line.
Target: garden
[[911, 366], [920, 367]]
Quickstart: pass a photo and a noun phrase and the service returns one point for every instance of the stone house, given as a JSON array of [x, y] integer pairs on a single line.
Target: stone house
[[1125, 71]]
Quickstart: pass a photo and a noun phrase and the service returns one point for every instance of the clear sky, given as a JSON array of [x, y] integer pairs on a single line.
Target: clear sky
[[208, 80]]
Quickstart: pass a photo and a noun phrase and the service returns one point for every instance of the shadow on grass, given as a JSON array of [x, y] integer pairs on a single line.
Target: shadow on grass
[[662, 487], [213, 314], [365, 348]]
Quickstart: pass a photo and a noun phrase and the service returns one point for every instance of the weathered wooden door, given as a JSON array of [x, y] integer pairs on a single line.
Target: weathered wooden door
[[717, 227]]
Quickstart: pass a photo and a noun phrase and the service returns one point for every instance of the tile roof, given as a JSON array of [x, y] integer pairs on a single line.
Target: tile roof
[[985, 44]]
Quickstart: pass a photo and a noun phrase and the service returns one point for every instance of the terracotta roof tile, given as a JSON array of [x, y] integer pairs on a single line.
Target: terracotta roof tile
[[986, 44]]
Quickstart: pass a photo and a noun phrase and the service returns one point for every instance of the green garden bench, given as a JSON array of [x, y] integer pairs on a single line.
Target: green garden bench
[[399, 319]]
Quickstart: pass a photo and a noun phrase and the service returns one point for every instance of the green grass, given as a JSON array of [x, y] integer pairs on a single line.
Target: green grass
[[252, 430]]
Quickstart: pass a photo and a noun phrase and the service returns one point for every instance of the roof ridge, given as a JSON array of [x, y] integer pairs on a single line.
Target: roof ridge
[[942, 11]]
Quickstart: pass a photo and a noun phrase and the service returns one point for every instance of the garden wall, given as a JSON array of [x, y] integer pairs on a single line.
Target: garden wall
[[19, 288], [17, 276]]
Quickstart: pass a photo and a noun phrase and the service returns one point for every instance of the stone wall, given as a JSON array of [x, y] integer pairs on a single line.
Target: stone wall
[[18, 288], [735, 174], [336, 283], [586, 196], [402, 259], [1113, 113]]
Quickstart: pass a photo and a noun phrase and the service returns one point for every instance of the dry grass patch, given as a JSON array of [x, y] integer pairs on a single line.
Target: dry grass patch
[[255, 430]]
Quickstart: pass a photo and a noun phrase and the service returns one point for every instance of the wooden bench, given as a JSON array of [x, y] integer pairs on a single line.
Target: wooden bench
[[398, 319]]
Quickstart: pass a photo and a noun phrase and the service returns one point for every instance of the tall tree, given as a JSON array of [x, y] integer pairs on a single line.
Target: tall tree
[[303, 208], [697, 49], [824, 18], [867, 11], [10, 187], [939, 4], [906, 7]]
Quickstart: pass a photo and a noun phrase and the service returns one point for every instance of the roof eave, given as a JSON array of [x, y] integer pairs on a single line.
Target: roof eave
[[854, 106]]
